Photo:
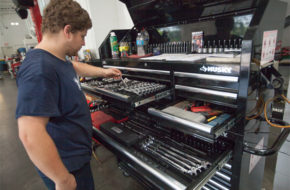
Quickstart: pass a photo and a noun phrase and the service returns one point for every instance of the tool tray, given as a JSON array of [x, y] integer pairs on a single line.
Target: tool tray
[[185, 121], [133, 92]]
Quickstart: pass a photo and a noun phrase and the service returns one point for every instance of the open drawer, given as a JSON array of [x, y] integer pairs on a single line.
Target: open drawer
[[132, 92], [156, 170], [206, 128]]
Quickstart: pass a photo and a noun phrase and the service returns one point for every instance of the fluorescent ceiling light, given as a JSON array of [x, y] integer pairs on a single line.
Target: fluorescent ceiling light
[[14, 23]]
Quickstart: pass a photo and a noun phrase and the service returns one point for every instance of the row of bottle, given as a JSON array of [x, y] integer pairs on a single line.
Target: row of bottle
[[188, 47], [124, 47], [234, 45], [143, 47]]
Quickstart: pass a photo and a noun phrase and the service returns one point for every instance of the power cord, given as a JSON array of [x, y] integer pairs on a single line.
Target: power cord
[[94, 154], [258, 109]]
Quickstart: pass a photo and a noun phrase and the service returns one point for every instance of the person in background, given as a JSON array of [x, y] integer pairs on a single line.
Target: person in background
[[53, 118]]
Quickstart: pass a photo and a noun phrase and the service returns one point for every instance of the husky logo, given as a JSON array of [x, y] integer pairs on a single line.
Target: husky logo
[[203, 68], [216, 69]]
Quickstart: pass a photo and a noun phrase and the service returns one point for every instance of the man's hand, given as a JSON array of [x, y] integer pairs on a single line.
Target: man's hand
[[36, 141], [67, 184], [112, 72]]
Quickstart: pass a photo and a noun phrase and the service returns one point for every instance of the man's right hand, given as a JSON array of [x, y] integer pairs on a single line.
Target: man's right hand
[[67, 184]]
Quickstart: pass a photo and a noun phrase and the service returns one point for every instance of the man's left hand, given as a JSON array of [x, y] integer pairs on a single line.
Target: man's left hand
[[112, 72]]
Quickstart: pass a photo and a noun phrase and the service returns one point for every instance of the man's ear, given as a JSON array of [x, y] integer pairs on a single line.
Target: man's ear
[[67, 31]]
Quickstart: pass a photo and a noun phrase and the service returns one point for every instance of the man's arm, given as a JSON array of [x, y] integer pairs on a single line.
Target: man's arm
[[86, 70], [42, 151]]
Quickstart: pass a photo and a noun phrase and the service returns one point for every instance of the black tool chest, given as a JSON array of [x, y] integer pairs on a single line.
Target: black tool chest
[[163, 143]]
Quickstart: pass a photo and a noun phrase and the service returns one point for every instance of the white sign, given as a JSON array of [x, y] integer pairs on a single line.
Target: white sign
[[269, 46]]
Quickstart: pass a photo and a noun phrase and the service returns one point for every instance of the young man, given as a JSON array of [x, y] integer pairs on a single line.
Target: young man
[[53, 117]]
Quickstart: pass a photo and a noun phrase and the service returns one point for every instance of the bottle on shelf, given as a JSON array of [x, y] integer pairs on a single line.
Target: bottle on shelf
[[140, 45], [200, 48], [221, 49], [230, 46], [114, 45], [215, 49], [145, 35], [209, 47], [235, 45], [226, 48], [204, 48]]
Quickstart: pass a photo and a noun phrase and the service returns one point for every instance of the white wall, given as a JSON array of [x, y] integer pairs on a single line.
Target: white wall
[[11, 37], [273, 19], [106, 16], [286, 33]]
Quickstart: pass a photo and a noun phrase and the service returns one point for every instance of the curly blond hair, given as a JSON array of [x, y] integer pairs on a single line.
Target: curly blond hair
[[59, 13]]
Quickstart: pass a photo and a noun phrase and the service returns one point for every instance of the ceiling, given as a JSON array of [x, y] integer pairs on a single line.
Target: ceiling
[[7, 7]]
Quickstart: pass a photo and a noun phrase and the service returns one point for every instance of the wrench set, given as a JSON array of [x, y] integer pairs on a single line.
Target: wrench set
[[182, 161], [176, 150]]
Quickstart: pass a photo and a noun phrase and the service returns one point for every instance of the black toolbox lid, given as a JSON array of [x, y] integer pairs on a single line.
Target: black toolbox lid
[[145, 13]]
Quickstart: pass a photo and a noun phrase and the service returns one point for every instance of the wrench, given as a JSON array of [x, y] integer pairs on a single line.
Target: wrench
[[180, 157], [171, 163], [201, 162], [190, 170]]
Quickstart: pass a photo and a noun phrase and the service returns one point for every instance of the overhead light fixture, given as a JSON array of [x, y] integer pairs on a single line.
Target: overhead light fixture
[[23, 13], [14, 23], [22, 6]]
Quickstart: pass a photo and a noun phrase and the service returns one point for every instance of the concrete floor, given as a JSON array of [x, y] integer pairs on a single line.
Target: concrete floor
[[17, 171]]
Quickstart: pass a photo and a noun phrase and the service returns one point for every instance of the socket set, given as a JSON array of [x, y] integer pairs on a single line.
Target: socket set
[[104, 81], [97, 105], [127, 90]]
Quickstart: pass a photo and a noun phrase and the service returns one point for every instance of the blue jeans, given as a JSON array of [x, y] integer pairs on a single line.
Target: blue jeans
[[84, 179]]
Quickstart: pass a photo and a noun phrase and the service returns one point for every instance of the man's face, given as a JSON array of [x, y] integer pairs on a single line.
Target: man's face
[[78, 40]]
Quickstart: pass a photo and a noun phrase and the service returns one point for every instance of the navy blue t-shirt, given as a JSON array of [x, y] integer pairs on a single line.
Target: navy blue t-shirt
[[48, 86]]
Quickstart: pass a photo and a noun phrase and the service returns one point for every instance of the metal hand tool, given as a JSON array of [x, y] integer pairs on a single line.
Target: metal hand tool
[[168, 161], [200, 164], [191, 169], [170, 157], [199, 161], [124, 81], [179, 157]]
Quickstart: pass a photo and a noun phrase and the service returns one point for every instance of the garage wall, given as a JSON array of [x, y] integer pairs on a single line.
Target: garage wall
[[106, 15], [11, 37]]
